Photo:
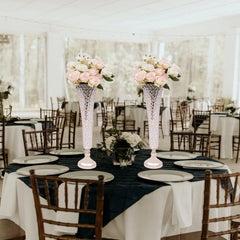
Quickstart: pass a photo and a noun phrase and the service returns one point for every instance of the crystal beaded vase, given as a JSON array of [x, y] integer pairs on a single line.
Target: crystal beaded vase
[[152, 95], [86, 95]]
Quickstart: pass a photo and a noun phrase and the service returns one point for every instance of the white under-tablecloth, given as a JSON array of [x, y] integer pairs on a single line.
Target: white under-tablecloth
[[14, 140], [139, 114], [149, 218], [226, 127]]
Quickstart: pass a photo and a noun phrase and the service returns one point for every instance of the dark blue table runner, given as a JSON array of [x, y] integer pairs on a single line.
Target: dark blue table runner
[[126, 188]]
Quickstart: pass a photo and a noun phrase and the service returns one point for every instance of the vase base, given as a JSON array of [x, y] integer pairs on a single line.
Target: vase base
[[87, 163], [153, 163]]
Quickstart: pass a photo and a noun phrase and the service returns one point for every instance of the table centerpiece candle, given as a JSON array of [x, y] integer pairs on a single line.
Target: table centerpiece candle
[[154, 75], [87, 74]]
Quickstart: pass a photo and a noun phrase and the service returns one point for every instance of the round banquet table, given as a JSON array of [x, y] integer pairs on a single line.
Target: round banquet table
[[14, 139], [226, 126], [139, 114], [134, 208]]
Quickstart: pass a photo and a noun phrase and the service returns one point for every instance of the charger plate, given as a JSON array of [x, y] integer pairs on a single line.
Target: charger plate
[[199, 164], [162, 175], [44, 170], [37, 159], [67, 152], [92, 175], [174, 155]]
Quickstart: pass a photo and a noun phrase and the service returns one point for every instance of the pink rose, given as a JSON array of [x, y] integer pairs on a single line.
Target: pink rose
[[73, 76], [135, 72], [151, 77], [165, 64], [84, 77], [161, 80], [94, 80], [159, 71], [93, 71], [98, 64], [140, 76]]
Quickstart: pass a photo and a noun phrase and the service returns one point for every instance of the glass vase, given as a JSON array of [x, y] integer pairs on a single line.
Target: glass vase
[[86, 95], [152, 95]]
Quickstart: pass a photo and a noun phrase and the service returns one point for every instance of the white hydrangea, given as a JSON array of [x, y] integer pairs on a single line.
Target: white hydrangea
[[109, 142]]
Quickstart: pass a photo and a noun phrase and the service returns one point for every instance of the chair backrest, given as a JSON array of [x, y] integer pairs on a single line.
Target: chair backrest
[[63, 194], [60, 102], [201, 121], [227, 196], [71, 118], [40, 141], [3, 156]]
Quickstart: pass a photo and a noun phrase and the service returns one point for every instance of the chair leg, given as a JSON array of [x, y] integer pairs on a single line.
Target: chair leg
[[238, 149]]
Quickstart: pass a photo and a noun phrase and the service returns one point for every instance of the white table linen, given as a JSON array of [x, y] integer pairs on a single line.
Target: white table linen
[[14, 140], [148, 218], [139, 114]]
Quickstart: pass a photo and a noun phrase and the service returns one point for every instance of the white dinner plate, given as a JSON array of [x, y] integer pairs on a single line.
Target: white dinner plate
[[51, 169], [26, 122], [165, 175], [37, 159], [198, 164], [38, 119], [176, 155], [67, 152], [92, 175]]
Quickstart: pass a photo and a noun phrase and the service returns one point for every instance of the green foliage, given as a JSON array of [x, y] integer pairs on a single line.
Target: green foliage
[[108, 78]]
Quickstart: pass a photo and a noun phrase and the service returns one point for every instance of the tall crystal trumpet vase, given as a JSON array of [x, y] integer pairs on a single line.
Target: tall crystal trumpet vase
[[86, 95], [152, 95]]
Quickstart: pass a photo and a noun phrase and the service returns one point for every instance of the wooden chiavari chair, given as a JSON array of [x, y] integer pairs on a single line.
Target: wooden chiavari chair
[[236, 141], [226, 196], [60, 102], [71, 137], [3, 150], [50, 184], [40, 141]]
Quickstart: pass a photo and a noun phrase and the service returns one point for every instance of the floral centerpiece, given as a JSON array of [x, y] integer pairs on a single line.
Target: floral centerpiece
[[154, 75], [231, 108], [87, 70], [157, 72], [121, 145], [87, 74], [191, 90], [5, 91]]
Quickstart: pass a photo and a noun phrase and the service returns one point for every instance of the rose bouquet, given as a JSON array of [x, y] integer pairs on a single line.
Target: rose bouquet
[[154, 71], [86, 70]]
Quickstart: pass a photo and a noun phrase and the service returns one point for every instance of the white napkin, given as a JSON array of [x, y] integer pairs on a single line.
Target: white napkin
[[9, 194], [182, 204], [68, 216]]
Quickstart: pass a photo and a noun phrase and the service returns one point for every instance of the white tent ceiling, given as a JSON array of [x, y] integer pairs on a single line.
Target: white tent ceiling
[[112, 18]]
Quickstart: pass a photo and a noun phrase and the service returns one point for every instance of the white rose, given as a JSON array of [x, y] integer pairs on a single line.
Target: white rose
[[106, 72], [147, 67], [109, 141], [173, 70], [81, 67]]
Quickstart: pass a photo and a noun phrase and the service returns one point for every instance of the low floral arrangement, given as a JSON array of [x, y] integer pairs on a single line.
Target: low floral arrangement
[[231, 108], [86, 70], [155, 71], [121, 144]]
